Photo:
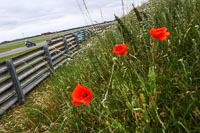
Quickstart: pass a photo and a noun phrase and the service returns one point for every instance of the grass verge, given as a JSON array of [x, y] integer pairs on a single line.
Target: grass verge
[[2, 59], [154, 88], [19, 44]]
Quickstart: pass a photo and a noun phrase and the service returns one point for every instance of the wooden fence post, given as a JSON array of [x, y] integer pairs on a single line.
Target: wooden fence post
[[84, 34], [15, 80], [49, 60], [66, 45]]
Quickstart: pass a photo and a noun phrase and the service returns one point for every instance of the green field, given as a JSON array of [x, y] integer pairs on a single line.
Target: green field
[[18, 44], [2, 59], [154, 88], [5, 48]]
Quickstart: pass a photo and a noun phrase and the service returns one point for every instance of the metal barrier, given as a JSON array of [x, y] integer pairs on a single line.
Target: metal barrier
[[21, 74]]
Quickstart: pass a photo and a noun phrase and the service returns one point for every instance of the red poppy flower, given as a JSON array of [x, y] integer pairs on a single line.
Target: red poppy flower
[[160, 33], [81, 95], [120, 49]]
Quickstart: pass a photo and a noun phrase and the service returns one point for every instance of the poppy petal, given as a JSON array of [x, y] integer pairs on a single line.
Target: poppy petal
[[80, 95], [76, 103], [159, 33], [120, 49]]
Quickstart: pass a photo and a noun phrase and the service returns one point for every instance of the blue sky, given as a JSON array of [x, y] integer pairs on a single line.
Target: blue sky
[[22, 18]]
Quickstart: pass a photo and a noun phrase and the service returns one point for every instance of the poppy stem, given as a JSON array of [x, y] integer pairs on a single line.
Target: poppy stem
[[152, 50], [110, 81]]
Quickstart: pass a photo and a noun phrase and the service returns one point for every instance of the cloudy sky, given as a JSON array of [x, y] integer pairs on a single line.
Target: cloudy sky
[[22, 18]]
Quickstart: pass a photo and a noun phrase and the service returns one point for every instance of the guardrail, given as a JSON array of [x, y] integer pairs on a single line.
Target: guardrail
[[21, 74]]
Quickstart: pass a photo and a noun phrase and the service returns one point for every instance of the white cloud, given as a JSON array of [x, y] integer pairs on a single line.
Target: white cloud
[[31, 17]]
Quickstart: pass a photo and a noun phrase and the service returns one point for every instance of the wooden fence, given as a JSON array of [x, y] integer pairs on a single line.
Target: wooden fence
[[21, 74]]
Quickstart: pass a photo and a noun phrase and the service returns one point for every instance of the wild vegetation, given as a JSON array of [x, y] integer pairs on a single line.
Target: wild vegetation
[[154, 87]]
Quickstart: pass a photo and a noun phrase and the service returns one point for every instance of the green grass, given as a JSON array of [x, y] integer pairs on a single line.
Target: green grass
[[141, 92], [19, 44], [10, 47], [15, 45], [2, 59]]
